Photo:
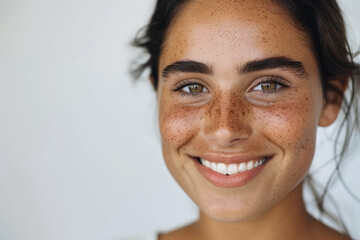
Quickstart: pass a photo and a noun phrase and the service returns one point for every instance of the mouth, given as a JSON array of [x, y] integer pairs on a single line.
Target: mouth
[[231, 169], [236, 172]]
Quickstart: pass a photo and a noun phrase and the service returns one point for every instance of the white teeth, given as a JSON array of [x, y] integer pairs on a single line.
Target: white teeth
[[213, 166], [231, 169], [207, 163], [242, 167], [222, 168], [250, 165]]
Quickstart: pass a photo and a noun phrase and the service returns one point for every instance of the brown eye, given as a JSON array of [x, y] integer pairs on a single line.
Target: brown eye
[[268, 86], [194, 88]]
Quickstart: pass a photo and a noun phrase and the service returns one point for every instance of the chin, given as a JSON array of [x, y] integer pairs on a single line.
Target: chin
[[229, 208], [233, 208]]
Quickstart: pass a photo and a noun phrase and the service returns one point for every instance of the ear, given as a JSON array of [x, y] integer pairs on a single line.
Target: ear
[[334, 96], [329, 114]]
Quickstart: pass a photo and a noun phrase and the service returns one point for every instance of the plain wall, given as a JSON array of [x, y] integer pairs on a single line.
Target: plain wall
[[80, 153]]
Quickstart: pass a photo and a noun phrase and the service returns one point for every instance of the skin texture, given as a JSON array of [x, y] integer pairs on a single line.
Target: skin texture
[[232, 116]]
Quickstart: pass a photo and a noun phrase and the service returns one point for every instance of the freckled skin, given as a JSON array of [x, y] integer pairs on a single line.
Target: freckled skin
[[231, 118]]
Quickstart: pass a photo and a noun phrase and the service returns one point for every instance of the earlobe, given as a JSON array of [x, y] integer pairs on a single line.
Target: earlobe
[[329, 114]]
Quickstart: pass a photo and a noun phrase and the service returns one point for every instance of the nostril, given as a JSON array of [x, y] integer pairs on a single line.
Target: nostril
[[225, 137]]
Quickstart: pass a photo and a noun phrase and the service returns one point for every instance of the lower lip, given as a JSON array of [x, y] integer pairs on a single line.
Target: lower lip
[[229, 181]]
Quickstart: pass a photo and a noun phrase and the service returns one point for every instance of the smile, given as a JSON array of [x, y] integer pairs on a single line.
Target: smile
[[231, 169]]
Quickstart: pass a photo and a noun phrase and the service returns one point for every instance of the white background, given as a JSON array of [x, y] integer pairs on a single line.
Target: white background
[[80, 154]]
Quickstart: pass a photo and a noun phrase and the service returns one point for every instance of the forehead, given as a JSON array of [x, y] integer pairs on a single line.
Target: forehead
[[232, 31]]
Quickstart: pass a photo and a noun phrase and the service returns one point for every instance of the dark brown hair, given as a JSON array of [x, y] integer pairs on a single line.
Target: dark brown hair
[[323, 24]]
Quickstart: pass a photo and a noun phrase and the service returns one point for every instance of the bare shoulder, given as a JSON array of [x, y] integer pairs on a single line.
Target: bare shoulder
[[321, 231]]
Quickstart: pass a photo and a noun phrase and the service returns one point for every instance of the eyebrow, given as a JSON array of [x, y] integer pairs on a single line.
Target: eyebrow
[[282, 62], [187, 66]]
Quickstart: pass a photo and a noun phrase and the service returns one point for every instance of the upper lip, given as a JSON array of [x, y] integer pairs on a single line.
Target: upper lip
[[232, 158]]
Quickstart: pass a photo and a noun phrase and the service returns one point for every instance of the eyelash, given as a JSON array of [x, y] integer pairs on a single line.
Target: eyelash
[[272, 79], [181, 85], [269, 79]]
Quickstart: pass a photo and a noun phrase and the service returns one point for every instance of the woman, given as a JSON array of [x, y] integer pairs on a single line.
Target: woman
[[242, 86]]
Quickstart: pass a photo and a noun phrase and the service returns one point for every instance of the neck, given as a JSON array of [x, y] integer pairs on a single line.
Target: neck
[[288, 219]]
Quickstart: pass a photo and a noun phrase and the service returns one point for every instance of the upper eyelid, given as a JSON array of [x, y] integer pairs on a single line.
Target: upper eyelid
[[184, 83], [271, 78], [277, 79]]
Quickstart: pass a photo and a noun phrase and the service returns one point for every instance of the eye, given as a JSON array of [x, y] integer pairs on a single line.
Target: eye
[[194, 88], [190, 87], [267, 86], [271, 84]]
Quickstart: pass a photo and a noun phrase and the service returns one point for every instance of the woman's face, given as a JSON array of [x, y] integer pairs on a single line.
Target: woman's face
[[238, 85]]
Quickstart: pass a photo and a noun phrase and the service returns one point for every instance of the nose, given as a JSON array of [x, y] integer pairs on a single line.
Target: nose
[[226, 121]]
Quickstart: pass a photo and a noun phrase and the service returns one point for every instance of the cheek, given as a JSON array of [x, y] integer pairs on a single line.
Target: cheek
[[178, 124], [292, 128], [292, 125]]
